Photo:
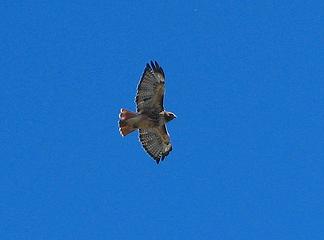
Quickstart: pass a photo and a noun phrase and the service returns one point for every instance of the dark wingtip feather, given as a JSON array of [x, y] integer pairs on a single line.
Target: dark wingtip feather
[[157, 68]]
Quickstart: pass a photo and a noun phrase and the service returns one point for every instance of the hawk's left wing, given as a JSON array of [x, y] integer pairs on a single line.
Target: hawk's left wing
[[156, 142]]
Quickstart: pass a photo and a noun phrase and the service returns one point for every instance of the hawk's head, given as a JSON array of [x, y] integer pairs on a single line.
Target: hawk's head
[[169, 116]]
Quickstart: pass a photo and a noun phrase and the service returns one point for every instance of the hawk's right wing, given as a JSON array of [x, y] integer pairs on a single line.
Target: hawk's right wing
[[150, 90]]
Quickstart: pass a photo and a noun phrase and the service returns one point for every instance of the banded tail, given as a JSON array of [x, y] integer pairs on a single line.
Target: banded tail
[[125, 125]]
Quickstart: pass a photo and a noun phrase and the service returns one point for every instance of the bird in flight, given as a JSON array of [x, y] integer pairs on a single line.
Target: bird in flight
[[150, 117]]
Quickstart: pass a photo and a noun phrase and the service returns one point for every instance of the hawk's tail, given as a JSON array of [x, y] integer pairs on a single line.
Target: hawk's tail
[[125, 127]]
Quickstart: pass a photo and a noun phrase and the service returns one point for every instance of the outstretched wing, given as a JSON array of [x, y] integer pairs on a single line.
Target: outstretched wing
[[150, 90], [156, 142]]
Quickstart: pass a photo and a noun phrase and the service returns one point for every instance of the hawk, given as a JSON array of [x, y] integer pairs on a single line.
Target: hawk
[[150, 118]]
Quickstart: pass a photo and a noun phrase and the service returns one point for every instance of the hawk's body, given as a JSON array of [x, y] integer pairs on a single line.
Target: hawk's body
[[150, 117]]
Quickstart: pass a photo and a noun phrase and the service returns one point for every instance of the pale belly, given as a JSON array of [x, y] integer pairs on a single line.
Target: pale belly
[[146, 122]]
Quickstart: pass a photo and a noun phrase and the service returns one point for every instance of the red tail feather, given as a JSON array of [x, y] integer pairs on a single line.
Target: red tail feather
[[124, 127], [125, 114]]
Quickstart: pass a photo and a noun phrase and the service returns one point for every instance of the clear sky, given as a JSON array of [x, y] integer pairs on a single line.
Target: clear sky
[[245, 79]]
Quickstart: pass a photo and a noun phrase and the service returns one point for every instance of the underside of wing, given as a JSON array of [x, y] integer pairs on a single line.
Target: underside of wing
[[150, 90], [156, 142]]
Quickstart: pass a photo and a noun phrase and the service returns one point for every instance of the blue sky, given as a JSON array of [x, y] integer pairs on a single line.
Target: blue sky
[[245, 79]]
